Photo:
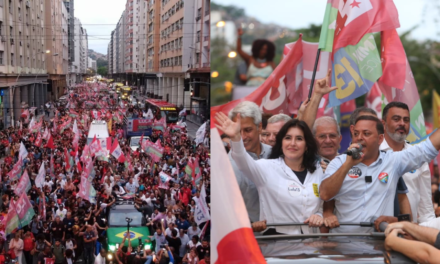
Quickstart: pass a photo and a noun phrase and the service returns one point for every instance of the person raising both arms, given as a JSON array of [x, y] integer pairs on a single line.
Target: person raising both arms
[[260, 64]]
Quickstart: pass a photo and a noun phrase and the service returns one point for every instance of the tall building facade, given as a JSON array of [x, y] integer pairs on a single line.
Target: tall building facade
[[199, 68], [23, 74], [174, 57], [56, 46], [176, 42], [70, 7], [78, 69]]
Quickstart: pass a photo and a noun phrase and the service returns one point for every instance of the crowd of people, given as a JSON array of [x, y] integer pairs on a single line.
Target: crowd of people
[[68, 227], [289, 171]]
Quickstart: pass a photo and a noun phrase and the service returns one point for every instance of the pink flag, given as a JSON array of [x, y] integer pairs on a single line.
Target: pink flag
[[24, 185], [16, 170], [84, 189], [163, 180], [232, 239], [374, 100]]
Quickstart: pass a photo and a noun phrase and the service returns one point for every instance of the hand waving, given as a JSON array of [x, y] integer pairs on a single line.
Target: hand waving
[[229, 127], [322, 86]]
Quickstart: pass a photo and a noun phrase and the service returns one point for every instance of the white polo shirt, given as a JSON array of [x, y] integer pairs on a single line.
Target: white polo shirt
[[358, 201], [419, 189], [283, 198]]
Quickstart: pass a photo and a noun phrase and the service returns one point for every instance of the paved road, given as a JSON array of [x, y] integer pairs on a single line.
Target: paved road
[[192, 129]]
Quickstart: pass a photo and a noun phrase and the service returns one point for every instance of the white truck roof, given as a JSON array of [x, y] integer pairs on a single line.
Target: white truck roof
[[99, 129]]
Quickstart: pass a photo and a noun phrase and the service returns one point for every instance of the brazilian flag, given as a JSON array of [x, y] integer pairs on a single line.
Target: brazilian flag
[[116, 234]]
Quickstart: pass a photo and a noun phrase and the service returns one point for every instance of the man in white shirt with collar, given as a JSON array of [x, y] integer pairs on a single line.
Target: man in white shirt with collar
[[251, 126], [396, 120], [364, 188]]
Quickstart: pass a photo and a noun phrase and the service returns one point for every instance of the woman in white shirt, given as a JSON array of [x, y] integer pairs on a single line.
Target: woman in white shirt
[[287, 182]]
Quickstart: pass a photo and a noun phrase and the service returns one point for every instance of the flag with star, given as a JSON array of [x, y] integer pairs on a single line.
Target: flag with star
[[355, 18]]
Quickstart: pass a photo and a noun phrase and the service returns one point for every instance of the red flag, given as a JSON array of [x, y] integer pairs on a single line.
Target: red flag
[[66, 159], [374, 100], [271, 96], [357, 18], [393, 60], [232, 238], [109, 143], [50, 143]]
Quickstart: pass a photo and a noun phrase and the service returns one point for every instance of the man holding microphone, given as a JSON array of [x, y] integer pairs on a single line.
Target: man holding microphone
[[363, 186]]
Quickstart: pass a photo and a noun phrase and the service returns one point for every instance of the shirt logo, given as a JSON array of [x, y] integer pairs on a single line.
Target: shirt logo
[[354, 173], [383, 177]]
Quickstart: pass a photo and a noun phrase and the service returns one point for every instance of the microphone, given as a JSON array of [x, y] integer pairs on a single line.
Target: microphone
[[355, 153]]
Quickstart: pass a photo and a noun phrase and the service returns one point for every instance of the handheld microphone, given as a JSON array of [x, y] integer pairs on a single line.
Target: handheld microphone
[[355, 153]]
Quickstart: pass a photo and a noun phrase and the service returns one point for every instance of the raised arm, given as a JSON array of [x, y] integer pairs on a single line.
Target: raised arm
[[245, 163], [321, 88], [246, 57]]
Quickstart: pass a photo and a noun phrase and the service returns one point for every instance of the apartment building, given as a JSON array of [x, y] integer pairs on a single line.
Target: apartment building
[[71, 76], [176, 42], [78, 69], [23, 71], [175, 49], [110, 55], [91, 64], [84, 50], [55, 20], [199, 68]]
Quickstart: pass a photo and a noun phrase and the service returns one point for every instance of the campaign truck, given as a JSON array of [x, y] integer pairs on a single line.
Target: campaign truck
[[98, 129], [124, 216]]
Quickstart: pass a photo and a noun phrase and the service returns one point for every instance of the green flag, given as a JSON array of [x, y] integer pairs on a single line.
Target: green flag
[[328, 26]]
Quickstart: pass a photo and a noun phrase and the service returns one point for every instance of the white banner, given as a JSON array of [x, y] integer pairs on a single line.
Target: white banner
[[201, 213]]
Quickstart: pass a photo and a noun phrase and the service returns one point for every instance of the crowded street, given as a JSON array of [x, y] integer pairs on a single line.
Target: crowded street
[[93, 178]]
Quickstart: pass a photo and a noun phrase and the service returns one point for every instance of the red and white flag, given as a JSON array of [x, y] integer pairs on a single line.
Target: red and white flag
[[38, 140], [232, 239], [46, 134], [95, 146], [116, 151]]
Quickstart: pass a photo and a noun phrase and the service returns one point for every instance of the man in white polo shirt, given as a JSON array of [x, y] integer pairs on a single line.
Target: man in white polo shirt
[[364, 188], [396, 120]]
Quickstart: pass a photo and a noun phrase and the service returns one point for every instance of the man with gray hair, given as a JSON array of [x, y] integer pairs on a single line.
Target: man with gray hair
[[328, 136], [274, 124], [251, 127]]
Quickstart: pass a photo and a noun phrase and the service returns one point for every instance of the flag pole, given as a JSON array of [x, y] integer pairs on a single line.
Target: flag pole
[[312, 82]]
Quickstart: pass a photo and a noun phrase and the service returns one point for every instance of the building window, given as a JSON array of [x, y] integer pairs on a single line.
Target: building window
[[21, 61], [197, 57], [198, 37], [1, 57], [10, 6], [12, 59]]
